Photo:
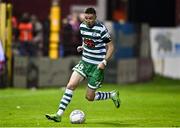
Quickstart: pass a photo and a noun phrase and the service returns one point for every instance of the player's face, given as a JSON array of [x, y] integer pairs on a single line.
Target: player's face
[[90, 19]]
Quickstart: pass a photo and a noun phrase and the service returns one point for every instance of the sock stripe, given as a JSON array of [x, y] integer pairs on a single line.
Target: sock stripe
[[99, 95], [62, 108], [68, 95], [102, 95], [105, 97], [65, 101], [68, 100], [65, 104]]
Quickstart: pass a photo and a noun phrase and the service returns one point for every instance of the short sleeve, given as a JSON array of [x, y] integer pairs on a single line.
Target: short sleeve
[[105, 36]]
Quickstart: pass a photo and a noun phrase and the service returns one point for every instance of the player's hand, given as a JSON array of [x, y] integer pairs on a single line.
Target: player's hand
[[101, 66], [79, 48]]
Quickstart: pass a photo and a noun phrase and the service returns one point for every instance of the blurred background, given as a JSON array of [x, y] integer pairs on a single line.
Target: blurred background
[[40, 37]]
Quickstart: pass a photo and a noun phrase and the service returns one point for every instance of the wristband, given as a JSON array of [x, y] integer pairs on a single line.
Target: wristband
[[104, 62]]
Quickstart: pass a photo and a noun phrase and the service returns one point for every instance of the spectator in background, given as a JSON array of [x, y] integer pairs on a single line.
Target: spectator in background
[[76, 38], [119, 13], [74, 21], [70, 28], [66, 35], [25, 29], [46, 32], [37, 34], [15, 28], [15, 43]]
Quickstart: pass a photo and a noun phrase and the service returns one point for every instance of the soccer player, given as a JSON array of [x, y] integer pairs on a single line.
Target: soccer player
[[97, 49]]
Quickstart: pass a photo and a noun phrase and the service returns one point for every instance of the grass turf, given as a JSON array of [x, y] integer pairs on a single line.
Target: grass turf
[[156, 103]]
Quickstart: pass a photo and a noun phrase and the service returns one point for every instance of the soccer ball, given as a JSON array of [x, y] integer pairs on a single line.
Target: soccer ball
[[77, 117]]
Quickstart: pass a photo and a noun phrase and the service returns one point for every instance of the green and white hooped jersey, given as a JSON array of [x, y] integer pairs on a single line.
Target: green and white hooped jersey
[[94, 42]]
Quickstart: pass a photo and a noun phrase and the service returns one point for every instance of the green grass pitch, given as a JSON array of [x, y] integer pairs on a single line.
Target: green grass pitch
[[156, 103]]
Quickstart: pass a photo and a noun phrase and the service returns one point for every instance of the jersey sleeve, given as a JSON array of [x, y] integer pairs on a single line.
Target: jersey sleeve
[[105, 35]]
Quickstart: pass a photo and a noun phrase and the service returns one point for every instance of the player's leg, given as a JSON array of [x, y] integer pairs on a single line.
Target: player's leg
[[75, 79], [90, 94], [94, 83], [93, 95]]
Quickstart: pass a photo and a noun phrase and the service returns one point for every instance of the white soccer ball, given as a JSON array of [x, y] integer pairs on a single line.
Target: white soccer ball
[[77, 117]]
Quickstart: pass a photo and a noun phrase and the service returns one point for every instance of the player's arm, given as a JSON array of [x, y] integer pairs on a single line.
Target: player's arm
[[109, 53], [110, 50], [109, 45]]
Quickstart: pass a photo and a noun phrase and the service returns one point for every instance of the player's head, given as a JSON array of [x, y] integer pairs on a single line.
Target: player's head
[[90, 16]]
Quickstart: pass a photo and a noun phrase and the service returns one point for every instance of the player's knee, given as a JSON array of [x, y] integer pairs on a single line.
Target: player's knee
[[71, 86], [90, 98]]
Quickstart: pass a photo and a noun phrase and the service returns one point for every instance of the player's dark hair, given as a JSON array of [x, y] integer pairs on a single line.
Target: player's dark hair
[[90, 11]]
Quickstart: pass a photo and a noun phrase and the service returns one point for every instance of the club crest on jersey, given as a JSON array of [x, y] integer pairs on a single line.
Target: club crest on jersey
[[89, 43], [94, 34]]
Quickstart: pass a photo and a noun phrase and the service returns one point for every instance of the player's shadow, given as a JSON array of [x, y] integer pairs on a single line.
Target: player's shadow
[[114, 124]]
